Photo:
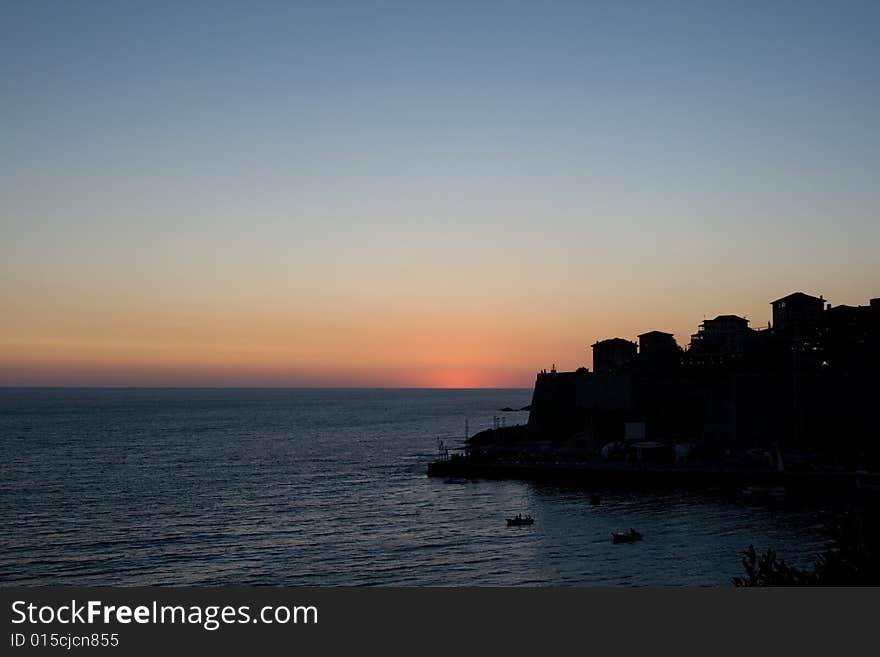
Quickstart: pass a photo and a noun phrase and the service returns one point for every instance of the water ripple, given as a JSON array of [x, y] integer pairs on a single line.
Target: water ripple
[[292, 487]]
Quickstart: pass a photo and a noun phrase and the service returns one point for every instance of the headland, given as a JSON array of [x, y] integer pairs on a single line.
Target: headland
[[795, 404]]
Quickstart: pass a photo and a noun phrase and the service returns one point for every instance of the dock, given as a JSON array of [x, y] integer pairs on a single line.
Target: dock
[[641, 476]]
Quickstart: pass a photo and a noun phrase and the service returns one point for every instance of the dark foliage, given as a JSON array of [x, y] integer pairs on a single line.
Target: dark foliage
[[770, 571], [852, 558]]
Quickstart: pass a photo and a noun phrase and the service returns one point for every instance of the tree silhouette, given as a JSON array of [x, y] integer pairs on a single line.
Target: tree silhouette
[[852, 558]]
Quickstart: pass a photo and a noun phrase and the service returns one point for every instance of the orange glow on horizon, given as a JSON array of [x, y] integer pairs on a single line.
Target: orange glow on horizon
[[321, 197], [69, 337]]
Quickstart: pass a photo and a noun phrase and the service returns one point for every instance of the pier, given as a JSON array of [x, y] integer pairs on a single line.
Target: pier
[[641, 477]]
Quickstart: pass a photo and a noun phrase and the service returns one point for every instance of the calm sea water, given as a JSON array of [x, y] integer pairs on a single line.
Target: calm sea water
[[328, 487]]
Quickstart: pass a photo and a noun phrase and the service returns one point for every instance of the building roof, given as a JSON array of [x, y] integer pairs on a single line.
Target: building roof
[[642, 335], [612, 341], [843, 309], [727, 318], [799, 296]]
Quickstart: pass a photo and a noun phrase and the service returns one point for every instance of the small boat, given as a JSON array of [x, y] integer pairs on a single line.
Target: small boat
[[595, 500], [626, 537], [519, 521]]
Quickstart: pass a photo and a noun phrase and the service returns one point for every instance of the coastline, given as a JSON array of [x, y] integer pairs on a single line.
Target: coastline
[[640, 476]]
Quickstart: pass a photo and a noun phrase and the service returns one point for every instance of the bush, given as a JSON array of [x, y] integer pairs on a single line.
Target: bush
[[852, 558]]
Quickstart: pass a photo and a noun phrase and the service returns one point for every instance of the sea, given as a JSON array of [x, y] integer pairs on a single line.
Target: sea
[[328, 487]]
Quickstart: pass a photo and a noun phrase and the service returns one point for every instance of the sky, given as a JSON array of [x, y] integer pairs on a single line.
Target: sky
[[420, 194]]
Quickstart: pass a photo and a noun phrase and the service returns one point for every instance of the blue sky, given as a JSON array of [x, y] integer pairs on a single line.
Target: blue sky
[[615, 164]]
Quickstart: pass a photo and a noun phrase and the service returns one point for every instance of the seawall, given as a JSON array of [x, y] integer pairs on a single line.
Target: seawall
[[635, 476]]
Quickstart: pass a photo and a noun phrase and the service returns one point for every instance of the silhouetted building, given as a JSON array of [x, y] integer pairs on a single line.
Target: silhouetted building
[[849, 336], [796, 311], [719, 341], [613, 355], [658, 351], [811, 384]]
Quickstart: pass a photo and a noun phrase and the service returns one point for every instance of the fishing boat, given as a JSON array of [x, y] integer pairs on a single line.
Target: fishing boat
[[626, 537], [519, 520]]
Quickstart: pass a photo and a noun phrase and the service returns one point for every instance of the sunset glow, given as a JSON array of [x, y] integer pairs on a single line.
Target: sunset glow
[[184, 204]]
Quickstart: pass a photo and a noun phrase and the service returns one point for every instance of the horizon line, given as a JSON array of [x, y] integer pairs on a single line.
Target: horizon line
[[241, 387]]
